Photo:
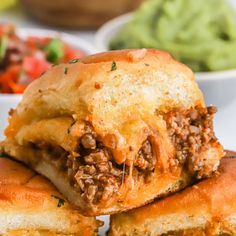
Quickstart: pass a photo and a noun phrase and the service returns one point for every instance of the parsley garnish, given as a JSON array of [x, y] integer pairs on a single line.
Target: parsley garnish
[[61, 201], [65, 70], [73, 61], [113, 66]]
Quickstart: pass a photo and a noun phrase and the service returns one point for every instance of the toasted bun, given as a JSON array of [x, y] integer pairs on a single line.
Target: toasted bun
[[125, 102], [30, 205], [207, 208], [164, 184], [141, 84]]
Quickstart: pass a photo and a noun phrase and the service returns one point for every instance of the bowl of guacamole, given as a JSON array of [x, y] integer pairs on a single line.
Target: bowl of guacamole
[[200, 34]]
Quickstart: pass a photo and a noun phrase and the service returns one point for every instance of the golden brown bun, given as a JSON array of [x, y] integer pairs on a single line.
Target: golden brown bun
[[30, 205], [206, 208], [90, 91], [121, 98]]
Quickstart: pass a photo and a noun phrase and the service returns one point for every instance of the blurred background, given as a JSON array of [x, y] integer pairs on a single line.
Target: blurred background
[[36, 34], [67, 15]]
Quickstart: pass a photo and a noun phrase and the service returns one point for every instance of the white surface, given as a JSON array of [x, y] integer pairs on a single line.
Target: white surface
[[6, 103], [225, 119], [107, 31]]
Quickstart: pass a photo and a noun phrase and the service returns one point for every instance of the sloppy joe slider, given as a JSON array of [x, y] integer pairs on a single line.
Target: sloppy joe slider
[[115, 130]]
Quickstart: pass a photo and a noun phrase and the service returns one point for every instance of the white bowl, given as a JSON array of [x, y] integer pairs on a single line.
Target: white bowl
[[8, 101], [218, 87]]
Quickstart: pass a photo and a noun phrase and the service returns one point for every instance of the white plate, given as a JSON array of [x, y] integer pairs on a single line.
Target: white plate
[[8, 101], [218, 87]]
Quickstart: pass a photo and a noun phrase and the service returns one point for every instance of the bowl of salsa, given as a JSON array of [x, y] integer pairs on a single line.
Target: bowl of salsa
[[25, 54]]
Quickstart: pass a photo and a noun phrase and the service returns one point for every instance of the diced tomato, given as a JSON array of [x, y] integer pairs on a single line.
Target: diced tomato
[[33, 57], [7, 29], [34, 67], [9, 78], [70, 53], [17, 88], [37, 42]]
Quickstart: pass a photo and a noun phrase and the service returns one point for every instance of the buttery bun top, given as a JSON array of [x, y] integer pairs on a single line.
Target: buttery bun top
[[30, 202], [121, 94]]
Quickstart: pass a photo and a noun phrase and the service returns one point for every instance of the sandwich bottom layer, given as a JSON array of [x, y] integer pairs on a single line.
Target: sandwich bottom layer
[[98, 182], [164, 184], [207, 208]]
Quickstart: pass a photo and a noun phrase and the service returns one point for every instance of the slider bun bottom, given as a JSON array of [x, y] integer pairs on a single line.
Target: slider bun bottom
[[164, 185]]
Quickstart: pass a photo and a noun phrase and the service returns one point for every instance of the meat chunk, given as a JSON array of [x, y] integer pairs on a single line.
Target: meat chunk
[[94, 173], [191, 131], [97, 176], [88, 141], [145, 159]]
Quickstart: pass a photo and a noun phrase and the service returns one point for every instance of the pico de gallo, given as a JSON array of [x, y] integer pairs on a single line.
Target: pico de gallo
[[24, 60]]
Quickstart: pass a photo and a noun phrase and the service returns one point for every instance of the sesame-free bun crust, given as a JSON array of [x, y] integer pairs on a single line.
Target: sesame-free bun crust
[[207, 208], [29, 205]]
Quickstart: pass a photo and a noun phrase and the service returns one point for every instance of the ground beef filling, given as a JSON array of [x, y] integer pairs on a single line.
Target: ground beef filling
[[191, 132], [96, 174], [145, 159]]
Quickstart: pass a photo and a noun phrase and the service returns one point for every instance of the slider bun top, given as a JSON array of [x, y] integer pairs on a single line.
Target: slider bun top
[[119, 93], [30, 202]]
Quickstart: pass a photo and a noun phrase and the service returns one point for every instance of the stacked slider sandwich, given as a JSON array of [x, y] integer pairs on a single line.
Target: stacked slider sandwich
[[116, 130], [207, 208]]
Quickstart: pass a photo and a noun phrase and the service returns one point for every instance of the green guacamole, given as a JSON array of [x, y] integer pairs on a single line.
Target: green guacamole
[[200, 33]]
